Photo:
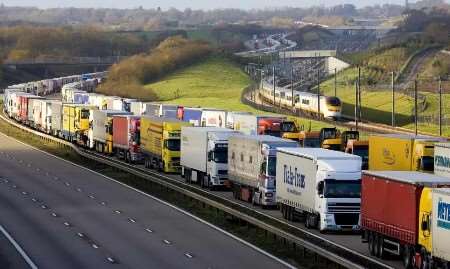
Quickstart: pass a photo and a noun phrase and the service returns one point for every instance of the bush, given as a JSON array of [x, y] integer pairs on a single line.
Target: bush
[[128, 77]]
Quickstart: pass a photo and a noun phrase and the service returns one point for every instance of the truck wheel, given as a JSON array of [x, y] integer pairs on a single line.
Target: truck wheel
[[407, 256], [371, 243], [308, 221], [380, 247], [376, 244], [425, 259]]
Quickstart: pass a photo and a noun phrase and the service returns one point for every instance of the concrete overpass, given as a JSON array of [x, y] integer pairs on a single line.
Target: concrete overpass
[[331, 62]]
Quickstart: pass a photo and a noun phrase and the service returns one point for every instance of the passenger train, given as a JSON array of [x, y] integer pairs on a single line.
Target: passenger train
[[330, 106]]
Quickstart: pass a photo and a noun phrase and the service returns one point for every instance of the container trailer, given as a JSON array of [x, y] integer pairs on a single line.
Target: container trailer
[[101, 135], [323, 186], [191, 115], [204, 155], [230, 118], [258, 125], [126, 137], [56, 119], [442, 159], [252, 167], [402, 152], [160, 143], [401, 215]]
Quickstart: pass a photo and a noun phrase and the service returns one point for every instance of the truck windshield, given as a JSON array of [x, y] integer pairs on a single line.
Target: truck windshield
[[221, 155], [84, 114], [427, 163], [272, 166], [288, 127], [342, 188], [173, 144]]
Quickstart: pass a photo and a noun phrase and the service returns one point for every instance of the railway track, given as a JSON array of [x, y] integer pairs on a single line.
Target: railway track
[[333, 251], [250, 97]]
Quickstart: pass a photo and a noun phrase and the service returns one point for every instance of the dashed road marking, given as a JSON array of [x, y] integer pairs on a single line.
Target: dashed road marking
[[189, 255], [80, 235], [103, 203], [67, 184], [92, 196], [111, 260], [95, 246], [132, 220], [54, 214], [44, 207], [117, 212], [167, 242], [66, 224], [149, 231], [79, 190]]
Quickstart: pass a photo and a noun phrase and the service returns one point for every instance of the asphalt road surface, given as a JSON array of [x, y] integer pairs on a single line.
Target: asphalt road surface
[[64, 216]]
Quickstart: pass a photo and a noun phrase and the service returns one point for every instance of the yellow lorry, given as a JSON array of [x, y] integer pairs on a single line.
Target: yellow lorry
[[160, 143], [75, 119], [402, 152]]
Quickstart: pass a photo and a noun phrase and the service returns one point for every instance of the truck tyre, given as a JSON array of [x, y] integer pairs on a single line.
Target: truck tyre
[[380, 247], [371, 241], [425, 259], [376, 244], [407, 256]]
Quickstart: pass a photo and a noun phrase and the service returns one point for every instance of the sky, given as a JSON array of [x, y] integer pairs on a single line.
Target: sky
[[194, 4]]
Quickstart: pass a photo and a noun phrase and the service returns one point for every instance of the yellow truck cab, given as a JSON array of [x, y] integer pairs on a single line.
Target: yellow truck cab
[[289, 130], [160, 143], [425, 211], [75, 118], [309, 139], [402, 152], [330, 138], [361, 149]]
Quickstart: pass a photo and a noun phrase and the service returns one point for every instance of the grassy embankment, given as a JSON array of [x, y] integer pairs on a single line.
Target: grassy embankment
[[376, 102], [214, 83]]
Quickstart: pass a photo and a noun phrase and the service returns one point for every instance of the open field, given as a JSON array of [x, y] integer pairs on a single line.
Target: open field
[[214, 83]]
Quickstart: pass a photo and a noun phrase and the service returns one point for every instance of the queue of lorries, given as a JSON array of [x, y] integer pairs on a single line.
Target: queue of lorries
[[384, 188]]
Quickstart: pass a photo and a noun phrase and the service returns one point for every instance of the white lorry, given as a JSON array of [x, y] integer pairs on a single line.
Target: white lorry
[[252, 167], [442, 159], [323, 186], [204, 155], [440, 226]]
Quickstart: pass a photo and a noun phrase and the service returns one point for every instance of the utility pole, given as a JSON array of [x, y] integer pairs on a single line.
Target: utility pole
[[318, 92], [356, 105], [292, 86], [415, 108], [274, 103], [393, 98], [359, 93], [335, 82], [440, 106]]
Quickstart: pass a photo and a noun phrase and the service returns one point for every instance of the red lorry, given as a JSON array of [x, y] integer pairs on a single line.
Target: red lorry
[[26, 107], [126, 137], [392, 206]]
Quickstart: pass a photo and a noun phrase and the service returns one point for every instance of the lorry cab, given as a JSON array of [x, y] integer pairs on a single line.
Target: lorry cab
[[309, 139], [423, 155], [289, 130], [425, 212], [330, 138], [361, 149], [339, 194]]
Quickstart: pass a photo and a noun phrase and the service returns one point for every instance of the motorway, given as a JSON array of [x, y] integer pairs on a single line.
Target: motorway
[[65, 216]]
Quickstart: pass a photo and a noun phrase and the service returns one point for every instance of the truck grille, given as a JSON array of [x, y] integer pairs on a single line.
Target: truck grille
[[222, 172], [346, 218], [344, 207]]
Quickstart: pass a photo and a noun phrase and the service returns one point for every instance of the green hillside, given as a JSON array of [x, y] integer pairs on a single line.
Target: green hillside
[[214, 83]]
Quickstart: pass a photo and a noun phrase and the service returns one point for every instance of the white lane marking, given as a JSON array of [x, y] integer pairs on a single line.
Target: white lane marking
[[103, 203], [189, 255], [117, 212], [34, 200], [80, 235], [19, 249], [25, 193], [79, 190], [148, 230], [44, 207], [66, 224], [167, 242], [56, 178], [54, 214], [132, 220], [14, 186], [111, 260], [242, 241], [67, 184], [92, 196], [94, 246]]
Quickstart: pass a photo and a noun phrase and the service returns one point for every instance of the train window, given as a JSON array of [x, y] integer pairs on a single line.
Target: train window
[[277, 95], [333, 101], [282, 95], [297, 99], [305, 101]]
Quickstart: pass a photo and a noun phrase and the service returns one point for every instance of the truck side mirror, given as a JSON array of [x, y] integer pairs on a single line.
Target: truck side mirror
[[210, 156], [320, 186]]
